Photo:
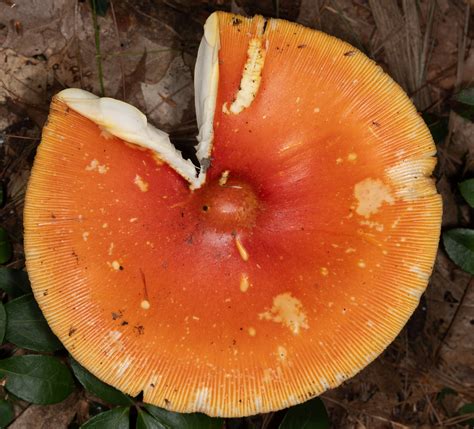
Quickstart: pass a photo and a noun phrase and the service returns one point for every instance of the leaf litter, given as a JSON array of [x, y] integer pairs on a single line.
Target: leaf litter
[[147, 53]]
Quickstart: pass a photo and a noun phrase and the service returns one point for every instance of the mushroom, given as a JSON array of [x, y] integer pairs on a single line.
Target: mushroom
[[282, 271]]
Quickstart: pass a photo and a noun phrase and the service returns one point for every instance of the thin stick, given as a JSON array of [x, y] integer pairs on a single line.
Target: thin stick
[[98, 55], [453, 319], [112, 9], [462, 48]]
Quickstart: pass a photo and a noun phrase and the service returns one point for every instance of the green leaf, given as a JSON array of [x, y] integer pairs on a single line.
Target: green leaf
[[465, 96], [464, 103], [6, 413], [98, 388], [14, 282], [36, 378], [445, 391], [145, 421], [183, 421], [467, 409], [310, 415], [27, 327], [467, 191], [438, 126], [100, 6], [459, 243], [118, 418], [3, 322], [6, 250]]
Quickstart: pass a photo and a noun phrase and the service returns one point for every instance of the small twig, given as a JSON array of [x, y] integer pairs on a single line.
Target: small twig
[[97, 48], [117, 33], [167, 26], [267, 418], [462, 48], [457, 420], [453, 319], [22, 411], [139, 54], [78, 45], [165, 99], [365, 413], [430, 406], [425, 53], [277, 8], [390, 37], [21, 137]]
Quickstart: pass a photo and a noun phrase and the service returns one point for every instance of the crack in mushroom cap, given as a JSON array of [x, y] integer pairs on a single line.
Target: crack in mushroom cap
[[150, 295]]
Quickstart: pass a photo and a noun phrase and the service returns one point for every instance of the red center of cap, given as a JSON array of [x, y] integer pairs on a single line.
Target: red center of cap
[[228, 204]]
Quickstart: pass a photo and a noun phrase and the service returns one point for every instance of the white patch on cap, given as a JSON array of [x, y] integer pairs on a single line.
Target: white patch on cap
[[258, 404], [373, 225], [422, 275], [115, 335], [241, 249], [123, 366], [415, 292], [116, 265], [251, 77], [288, 311], [324, 383], [244, 282], [370, 195], [202, 398], [96, 166], [142, 185], [411, 178]]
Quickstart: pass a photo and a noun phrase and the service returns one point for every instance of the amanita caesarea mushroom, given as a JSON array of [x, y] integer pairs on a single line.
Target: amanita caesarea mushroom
[[273, 275]]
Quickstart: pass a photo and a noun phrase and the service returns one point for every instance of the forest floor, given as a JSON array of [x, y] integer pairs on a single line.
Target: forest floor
[[147, 52]]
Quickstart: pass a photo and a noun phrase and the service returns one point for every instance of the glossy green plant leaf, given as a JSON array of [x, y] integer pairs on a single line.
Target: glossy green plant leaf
[[3, 322], [464, 103], [6, 413], [438, 126], [118, 418], [6, 250], [467, 409], [172, 420], [14, 282], [36, 378], [27, 327], [444, 392], [98, 388], [146, 421], [467, 191], [459, 243], [310, 415], [465, 96]]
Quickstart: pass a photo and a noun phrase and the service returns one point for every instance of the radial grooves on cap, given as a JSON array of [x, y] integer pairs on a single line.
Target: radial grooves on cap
[[404, 147]]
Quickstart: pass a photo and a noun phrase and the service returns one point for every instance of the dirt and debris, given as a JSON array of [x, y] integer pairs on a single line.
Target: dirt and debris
[[148, 49]]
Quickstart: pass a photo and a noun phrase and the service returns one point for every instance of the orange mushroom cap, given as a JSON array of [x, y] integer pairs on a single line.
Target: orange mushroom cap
[[295, 264]]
